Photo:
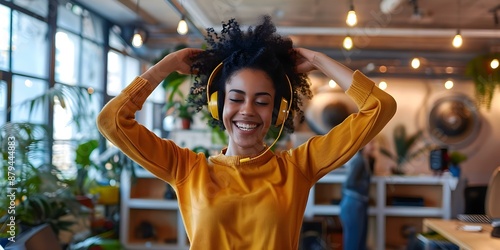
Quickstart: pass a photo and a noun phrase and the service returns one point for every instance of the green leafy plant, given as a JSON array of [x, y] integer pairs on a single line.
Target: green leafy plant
[[457, 157], [485, 78], [404, 148], [39, 193]]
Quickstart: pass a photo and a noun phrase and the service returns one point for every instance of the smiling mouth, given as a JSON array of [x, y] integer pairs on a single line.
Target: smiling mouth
[[245, 126]]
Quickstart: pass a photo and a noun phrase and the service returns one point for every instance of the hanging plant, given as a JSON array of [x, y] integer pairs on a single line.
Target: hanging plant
[[485, 78]]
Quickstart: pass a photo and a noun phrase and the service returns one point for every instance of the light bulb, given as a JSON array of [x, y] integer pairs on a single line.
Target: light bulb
[[348, 44], [352, 19], [494, 63], [332, 84], [415, 63], [137, 40], [182, 27], [382, 85], [457, 40], [448, 84]]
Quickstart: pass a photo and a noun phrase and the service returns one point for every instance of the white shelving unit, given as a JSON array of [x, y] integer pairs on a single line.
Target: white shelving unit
[[381, 210], [130, 202]]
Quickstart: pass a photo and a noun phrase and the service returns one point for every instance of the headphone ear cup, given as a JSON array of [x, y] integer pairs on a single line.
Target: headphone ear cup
[[282, 112], [212, 105]]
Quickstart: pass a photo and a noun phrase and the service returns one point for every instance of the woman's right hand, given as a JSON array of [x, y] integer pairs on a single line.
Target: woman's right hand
[[179, 61]]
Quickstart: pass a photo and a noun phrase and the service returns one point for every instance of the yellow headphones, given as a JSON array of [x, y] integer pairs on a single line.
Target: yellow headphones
[[213, 108]]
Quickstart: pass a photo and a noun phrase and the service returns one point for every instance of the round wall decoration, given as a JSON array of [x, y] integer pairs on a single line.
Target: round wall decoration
[[327, 110], [454, 121]]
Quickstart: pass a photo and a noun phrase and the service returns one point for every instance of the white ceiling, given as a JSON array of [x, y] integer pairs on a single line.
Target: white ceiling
[[380, 37]]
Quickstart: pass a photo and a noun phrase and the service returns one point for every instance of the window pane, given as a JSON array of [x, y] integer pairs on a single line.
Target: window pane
[[65, 128], [63, 157], [115, 41], [5, 34], [68, 17], [92, 65], [24, 89], [92, 27], [30, 42], [39, 7], [3, 102], [67, 57], [132, 70], [115, 68]]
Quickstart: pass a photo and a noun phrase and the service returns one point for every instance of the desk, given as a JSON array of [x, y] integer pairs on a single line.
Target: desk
[[465, 240]]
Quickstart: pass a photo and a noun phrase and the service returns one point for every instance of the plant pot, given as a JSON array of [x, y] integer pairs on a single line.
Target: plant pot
[[186, 123], [454, 170]]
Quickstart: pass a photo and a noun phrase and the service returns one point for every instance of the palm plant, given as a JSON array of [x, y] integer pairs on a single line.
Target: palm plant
[[41, 194], [404, 148]]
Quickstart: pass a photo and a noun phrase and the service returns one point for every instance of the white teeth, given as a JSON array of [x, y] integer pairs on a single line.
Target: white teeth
[[246, 126]]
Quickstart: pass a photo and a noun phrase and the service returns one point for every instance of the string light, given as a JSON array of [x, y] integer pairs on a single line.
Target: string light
[[182, 27], [348, 44], [448, 84], [382, 85], [415, 63], [332, 84], [457, 40], [137, 39], [351, 19], [494, 63]]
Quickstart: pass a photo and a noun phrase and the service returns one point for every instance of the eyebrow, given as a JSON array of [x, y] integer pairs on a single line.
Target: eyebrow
[[243, 92]]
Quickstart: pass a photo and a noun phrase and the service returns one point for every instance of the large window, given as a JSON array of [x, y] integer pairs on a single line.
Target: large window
[[29, 45], [24, 90], [5, 34], [3, 102], [80, 55]]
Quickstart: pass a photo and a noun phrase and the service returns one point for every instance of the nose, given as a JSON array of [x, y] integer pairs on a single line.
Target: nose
[[247, 108]]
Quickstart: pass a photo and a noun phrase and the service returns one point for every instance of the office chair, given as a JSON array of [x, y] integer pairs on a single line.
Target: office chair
[[492, 205]]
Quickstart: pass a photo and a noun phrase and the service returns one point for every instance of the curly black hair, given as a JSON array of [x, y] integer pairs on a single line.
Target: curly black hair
[[258, 48]]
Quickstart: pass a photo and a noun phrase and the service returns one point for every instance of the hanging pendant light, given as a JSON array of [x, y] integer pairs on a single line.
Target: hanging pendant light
[[351, 19], [415, 63], [137, 39], [348, 43], [182, 27], [457, 40]]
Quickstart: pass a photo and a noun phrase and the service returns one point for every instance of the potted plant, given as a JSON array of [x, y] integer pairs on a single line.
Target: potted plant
[[485, 78], [456, 158], [404, 146]]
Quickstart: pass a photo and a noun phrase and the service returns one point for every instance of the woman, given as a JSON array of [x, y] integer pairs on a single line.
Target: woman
[[247, 197]]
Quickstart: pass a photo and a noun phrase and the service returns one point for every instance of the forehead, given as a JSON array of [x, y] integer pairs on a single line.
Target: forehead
[[250, 80]]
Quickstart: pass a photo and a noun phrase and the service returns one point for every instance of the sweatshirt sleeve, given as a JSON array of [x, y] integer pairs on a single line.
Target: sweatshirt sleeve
[[322, 154], [117, 123]]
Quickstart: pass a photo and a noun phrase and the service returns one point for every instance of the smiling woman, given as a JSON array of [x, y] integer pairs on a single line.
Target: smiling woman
[[247, 196]]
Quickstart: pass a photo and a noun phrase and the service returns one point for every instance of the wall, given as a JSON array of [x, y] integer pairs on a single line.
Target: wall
[[415, 98]]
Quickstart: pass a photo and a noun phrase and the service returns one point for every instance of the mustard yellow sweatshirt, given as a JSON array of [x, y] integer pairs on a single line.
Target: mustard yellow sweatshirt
[[257, 204]]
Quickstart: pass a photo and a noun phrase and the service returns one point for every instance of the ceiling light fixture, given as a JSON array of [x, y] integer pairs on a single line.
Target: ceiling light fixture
[[494, 63], [448, 84], [137, 39], [382, 85], [139, 36], [415, 63], [351, 19], [182, 27], [457, 40], [348, 43]]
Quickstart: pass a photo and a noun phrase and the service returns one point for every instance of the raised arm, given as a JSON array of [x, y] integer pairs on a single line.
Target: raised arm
[[309, 60], [117, 123]]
